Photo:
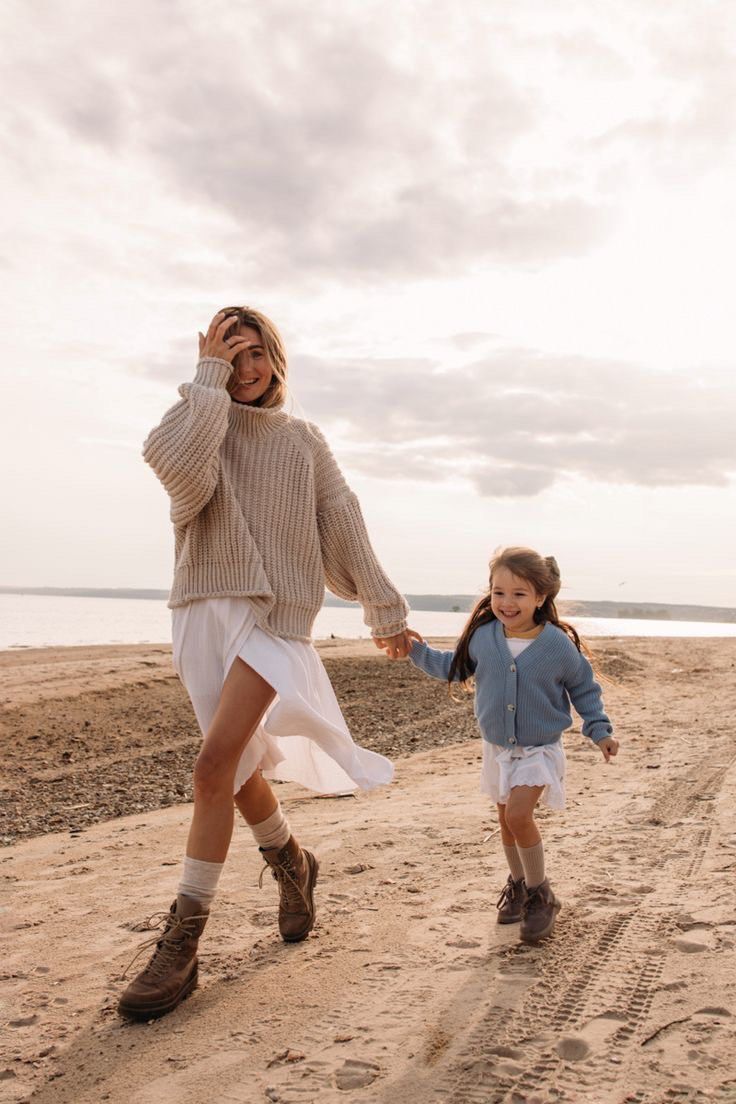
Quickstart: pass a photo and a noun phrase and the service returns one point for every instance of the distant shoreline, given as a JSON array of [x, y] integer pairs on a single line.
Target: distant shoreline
[[440, 603]]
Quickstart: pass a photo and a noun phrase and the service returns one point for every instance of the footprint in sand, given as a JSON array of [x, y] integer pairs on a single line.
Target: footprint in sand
[[688, 946], [572, 1048], [354, 1074]]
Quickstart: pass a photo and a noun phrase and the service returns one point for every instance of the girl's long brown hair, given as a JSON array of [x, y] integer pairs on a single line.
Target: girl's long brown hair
[[542, 573]]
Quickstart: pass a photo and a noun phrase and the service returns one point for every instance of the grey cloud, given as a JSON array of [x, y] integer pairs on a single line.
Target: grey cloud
[[471, 340], [697, 121], [175, 364], [516, 422], [329, 152], [89, 104]]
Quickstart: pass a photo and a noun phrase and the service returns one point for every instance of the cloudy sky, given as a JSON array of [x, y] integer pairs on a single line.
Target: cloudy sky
[[498, 239]]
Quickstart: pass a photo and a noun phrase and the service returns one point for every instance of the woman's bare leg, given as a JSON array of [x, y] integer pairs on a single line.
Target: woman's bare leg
[[244, 699], [256, 800]]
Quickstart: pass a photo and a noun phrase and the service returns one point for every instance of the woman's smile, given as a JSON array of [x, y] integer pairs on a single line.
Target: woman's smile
[[252, 371]]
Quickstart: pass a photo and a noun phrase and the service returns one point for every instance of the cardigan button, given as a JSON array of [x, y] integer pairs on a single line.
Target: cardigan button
[[512, 668], [511, 708]]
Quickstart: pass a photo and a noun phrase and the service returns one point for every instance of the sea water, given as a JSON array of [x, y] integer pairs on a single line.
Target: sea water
[[37, 621]]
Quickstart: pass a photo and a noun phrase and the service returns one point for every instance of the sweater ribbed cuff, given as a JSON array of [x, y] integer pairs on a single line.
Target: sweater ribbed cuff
[[213, 372], [385, 621], [600, 731]]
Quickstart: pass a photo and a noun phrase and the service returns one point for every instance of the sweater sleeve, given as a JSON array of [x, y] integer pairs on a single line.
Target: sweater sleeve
[[184, 448], [432, 661], [351, 567], [585, 695]]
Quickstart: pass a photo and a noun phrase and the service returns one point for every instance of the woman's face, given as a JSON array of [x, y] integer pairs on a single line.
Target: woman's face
[[514, 600], [252, 372]]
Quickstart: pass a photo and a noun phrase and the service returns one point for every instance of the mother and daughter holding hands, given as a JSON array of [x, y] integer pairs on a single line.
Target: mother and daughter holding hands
[[263, 518]]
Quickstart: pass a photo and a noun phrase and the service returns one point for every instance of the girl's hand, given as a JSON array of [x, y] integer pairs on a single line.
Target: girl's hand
[[609, 748], [399, 646], [217, 344]]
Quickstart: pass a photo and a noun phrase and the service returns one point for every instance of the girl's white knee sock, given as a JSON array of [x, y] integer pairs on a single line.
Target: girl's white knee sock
[[532, 859], [199, 880], [273, 832], [514, 861]]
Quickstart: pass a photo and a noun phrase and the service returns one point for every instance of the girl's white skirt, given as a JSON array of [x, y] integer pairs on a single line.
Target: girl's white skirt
[[504, 768], [303, 736]]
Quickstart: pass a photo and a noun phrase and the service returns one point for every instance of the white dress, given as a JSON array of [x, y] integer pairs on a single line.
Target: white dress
[[303, 736], [503, 768]]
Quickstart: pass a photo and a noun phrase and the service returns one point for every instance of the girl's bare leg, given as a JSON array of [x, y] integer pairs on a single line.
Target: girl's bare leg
[[244, 699], [519, 815], [507, 836], [541, 906]]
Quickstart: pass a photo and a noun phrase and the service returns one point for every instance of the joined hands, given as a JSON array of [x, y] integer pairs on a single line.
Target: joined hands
[[398, 646]]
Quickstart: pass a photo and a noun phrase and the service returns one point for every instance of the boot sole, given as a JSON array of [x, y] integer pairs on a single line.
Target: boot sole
[[133, 1012], [508, 919], [545, 932], [313, 872]]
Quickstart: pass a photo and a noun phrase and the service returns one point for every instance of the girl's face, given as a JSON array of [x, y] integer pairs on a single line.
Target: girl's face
[[514, 601], [252, 371]]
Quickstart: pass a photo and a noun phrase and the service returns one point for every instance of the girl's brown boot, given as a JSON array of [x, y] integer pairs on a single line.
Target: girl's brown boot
[[510, 904]]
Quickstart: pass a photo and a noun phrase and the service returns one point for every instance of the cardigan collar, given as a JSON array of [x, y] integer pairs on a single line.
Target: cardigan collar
[[502, 639], [256, 421]]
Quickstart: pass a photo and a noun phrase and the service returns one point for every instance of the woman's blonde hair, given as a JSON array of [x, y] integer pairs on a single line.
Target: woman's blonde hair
[[273, 345]]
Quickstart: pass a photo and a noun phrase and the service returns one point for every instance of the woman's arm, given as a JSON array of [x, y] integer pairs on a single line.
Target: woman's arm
[[184, 448], [351, 567]]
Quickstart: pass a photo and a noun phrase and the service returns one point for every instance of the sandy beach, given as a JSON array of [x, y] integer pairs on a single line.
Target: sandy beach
[[407, 992]]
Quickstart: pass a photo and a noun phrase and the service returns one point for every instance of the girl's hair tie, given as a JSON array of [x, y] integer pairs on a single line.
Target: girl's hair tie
[[551, 563]]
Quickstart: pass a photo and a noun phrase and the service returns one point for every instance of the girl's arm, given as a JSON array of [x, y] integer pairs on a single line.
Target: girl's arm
[[432, 661], [184, 449], [351, 567], [585, 695]]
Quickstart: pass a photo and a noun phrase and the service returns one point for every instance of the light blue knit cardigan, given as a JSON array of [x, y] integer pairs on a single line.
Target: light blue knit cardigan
[[525, 701]]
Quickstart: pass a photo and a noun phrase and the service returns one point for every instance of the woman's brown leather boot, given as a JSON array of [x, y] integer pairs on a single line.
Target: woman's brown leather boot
[[171, 973], [296, 872]]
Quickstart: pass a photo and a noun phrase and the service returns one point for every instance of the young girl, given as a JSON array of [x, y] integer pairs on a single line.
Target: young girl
[[528, 667], [262, 518]]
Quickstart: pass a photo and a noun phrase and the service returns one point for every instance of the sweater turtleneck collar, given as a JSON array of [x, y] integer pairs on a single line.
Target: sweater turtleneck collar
[[256, 421]]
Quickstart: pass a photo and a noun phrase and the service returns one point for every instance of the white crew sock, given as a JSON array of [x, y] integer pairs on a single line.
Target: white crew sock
[[199, 880], [514, 861], [273, 832], [532, 859]]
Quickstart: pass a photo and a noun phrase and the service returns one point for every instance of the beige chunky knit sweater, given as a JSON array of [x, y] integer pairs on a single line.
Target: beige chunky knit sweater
[[261, 509]]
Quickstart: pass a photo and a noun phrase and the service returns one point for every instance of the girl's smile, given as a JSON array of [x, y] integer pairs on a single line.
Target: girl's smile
[[514, 601]]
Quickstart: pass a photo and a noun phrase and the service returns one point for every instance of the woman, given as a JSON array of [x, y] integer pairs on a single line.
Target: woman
[[262, 518]]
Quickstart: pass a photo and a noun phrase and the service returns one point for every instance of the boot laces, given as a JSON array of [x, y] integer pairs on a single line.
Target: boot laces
[[167, 943], [288, 879], [508, 893], [536, 898]]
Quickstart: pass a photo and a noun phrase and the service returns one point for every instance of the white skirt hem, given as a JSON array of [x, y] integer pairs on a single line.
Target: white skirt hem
[[506, 768], [303, 736]]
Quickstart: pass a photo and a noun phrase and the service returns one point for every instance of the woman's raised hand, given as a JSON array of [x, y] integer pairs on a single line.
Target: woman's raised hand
[[217, 344]]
